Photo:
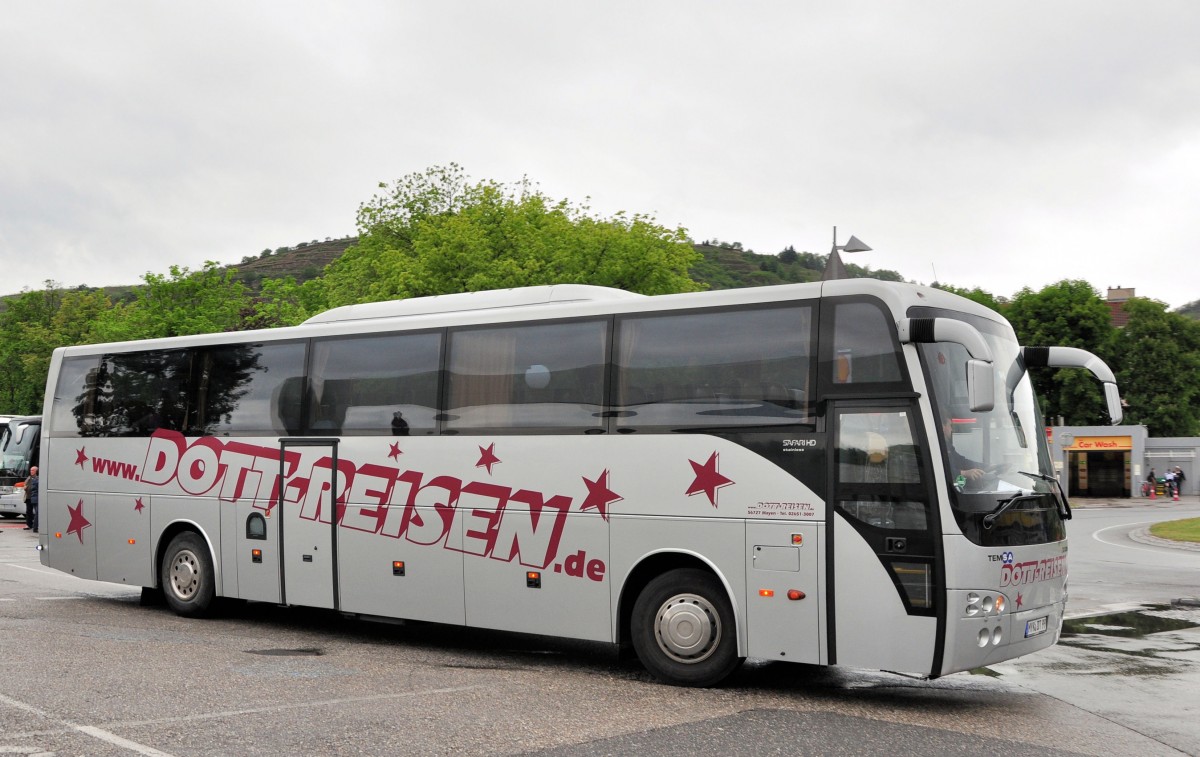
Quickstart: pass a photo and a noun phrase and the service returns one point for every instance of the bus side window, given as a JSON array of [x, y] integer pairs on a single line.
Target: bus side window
[[238, 387], [737, 367], [879, 471], [864, 350], [74, 410], [535, 376], [375, 385]]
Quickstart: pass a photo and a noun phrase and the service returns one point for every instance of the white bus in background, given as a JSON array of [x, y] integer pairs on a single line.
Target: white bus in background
[[20, 438], [706, 477]]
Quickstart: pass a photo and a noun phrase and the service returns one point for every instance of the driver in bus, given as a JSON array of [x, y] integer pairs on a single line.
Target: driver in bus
[[960, 465]]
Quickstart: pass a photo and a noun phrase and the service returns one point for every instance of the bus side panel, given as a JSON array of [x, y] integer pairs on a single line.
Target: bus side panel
[[202, 514], [122, 538], [718, 542], [429, 585], [873, 628], [71, 540], [782, 557], [256, 578], [571, 596]]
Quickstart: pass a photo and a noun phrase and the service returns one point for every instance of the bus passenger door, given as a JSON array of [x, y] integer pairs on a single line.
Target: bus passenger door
[[307, 525], [887, 582]]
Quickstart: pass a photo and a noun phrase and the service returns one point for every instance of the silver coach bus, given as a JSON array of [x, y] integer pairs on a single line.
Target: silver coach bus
[[839, 473]]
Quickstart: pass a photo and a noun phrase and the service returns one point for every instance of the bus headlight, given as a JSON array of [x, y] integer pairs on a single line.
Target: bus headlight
[[984, 605]]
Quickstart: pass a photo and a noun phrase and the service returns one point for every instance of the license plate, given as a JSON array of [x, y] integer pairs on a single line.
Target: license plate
[[1036, 627]]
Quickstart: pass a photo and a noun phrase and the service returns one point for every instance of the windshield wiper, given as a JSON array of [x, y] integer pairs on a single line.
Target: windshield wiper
[[1064, 507], [990, 518]]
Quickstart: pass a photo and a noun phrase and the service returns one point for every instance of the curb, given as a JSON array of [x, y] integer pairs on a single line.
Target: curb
[[1143, 536]]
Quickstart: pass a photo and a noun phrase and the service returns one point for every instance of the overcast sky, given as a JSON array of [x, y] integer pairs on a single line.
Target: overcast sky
[[999, 145]]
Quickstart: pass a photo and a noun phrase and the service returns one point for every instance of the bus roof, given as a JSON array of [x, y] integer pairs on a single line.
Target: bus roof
[[553, 301]]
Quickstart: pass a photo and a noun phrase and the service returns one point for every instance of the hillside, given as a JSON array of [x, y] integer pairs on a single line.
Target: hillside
[[722, 267]]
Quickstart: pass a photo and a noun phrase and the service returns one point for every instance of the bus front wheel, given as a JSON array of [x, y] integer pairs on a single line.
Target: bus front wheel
[[187, 576], [683, 629]]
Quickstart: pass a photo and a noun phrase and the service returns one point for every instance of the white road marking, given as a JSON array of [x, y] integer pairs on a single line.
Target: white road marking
[[89, 730], [133, 746]]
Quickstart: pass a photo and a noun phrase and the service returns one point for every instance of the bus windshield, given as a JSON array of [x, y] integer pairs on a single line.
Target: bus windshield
[[1002, 481]]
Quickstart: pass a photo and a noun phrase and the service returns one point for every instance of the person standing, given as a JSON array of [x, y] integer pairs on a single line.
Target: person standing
[[1179, 479], [31, 500]]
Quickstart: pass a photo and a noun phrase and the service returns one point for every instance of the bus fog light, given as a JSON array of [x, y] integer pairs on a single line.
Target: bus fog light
[[984, 638], [997, 637]]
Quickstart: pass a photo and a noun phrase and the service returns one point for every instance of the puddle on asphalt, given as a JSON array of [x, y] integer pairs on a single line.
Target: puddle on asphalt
[[1128, 625], [1133, 654]]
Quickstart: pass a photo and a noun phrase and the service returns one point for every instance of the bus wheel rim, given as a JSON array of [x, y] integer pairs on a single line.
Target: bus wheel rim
[[688, 628], [185, 574]]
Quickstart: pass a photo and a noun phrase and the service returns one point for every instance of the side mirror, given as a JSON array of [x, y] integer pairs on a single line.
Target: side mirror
[[1113, 398], [981, 386], [1073, 357]]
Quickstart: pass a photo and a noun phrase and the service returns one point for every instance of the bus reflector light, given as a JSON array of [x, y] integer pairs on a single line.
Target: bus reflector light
[[533, 579], [133, 541], [58, 535], [766, 592], [797, 540], [795, 594], [397, 567]]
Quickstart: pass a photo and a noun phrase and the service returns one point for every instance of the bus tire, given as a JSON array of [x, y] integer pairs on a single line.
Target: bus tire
[[188, 580], [683, 629]]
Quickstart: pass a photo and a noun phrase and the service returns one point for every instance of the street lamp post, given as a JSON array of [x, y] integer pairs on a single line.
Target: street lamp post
[[834, 269]]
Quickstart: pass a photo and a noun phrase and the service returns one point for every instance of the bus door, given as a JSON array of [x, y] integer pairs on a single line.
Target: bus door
[[884, 541], [308, 526]]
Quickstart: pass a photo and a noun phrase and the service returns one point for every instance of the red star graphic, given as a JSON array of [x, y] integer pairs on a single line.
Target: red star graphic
[[81, 457], [487, 457], [708, 480], [599, 495], [138, 505], [394, 452], [78, 522], [1020, 600]]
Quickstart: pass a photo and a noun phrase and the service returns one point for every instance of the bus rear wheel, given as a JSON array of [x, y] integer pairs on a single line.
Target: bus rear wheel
[[188, 580], [683, 629]]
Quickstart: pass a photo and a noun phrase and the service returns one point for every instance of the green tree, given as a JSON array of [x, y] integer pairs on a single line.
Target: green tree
[[26, 341], [1156, 358], [32, 325], [981, 296], [436, 233], [283, 302], [184, 302], [1066, 314]]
